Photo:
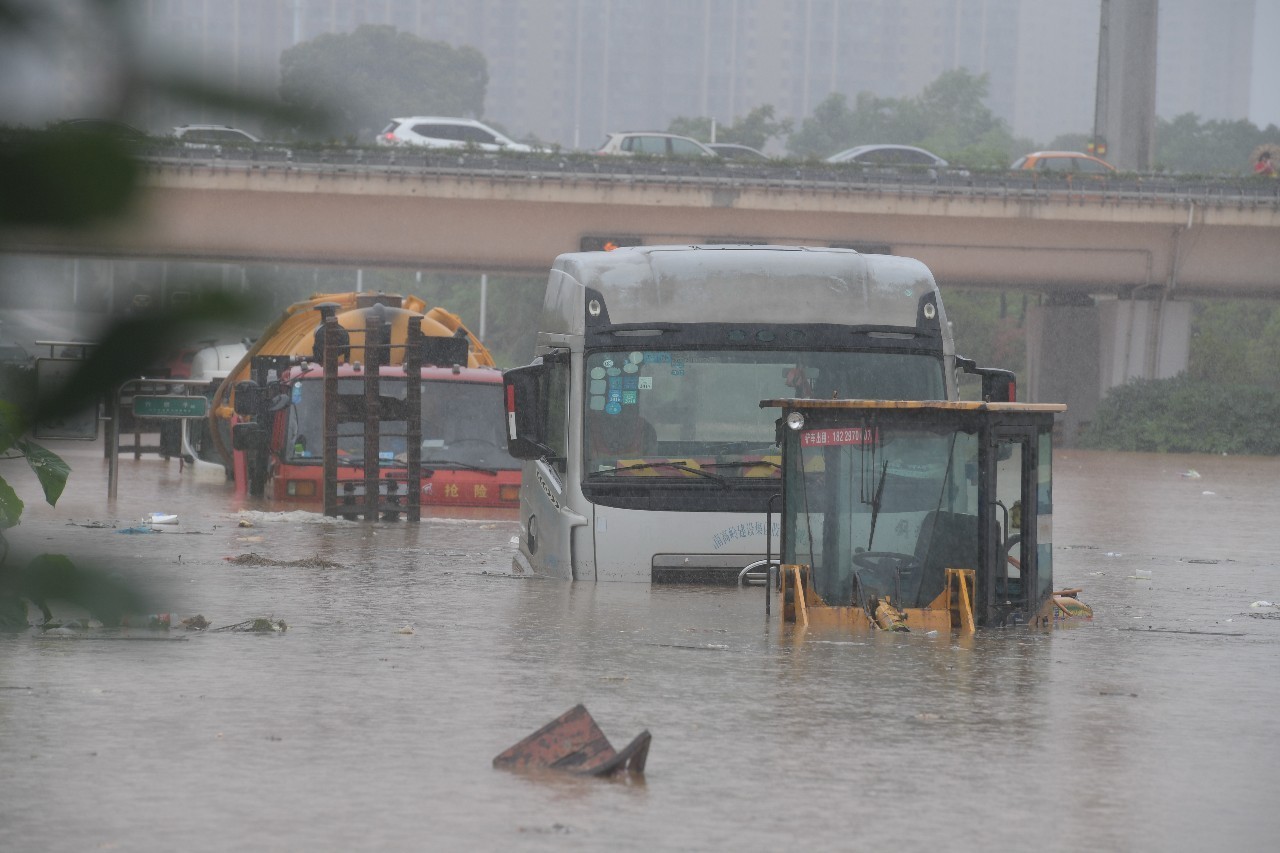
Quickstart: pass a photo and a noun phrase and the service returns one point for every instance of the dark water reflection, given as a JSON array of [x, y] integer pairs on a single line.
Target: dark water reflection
[[1153, 728]]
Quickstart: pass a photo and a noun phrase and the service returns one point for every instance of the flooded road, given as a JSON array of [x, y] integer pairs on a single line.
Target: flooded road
[[1155, 727]]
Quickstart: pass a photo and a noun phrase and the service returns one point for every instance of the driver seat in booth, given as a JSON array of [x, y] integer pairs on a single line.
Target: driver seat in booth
[[947, 540]]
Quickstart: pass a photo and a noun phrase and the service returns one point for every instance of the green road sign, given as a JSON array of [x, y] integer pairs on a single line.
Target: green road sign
[[170, 407]]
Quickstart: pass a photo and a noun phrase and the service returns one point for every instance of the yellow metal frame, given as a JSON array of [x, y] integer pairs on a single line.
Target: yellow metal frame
[[959, 598], [951, 610], [792, 578]]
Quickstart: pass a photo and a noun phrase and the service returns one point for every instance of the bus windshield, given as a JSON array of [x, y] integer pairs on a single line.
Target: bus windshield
[[461, 425], [881, 510], [695, 414]]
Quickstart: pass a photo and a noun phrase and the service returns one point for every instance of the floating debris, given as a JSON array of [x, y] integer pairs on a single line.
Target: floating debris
[[143, 528], [244, 522], [195, 623], [150, 621], [160, 518], [255, 559], [254, 518], [70, 626], [407, 629], [93, 525], [1151, 630], [257, 626], [1260, 604], [574, 743], [709, 647], [1069, 605], [1190, 474]]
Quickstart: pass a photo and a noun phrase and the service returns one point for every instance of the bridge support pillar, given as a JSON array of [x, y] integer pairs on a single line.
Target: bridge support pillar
[[1078, 348]]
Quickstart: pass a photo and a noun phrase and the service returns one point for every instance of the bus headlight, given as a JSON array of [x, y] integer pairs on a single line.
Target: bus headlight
[[795, 420]]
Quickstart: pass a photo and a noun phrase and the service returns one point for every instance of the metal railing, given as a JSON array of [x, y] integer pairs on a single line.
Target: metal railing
[[577, 167]]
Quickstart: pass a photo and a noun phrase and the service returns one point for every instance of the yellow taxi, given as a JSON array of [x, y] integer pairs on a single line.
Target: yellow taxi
[[1064, 163]]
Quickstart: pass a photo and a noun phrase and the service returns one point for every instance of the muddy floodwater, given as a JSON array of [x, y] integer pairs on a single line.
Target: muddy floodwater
[[1156, 727]]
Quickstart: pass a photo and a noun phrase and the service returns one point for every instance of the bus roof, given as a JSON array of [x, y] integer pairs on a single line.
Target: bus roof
[[691, 284]]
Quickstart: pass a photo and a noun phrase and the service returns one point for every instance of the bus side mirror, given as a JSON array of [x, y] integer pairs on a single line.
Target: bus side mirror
[[998, 386], [524, 389], [248, 398], [248, 436]]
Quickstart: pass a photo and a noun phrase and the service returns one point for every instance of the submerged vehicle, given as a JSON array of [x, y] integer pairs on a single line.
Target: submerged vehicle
[[647, 455], [273, 405], [908, 515]]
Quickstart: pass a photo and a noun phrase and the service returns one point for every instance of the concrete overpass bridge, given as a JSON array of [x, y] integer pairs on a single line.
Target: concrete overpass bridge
[[1142, 244]]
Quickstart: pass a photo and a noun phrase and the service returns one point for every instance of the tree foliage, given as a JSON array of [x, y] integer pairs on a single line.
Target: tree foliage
[[375, 73], [1186, 144], [1191, 146], [950, 118], [1186, 415], [1235, 341], [1227, 401], [755, 129], [989, 328]]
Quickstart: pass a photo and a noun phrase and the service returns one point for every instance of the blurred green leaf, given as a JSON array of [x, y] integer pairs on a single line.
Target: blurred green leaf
[[64, 179], [51, 469], [363, 77], [22, 18], [135, 345], [54, 577], [189, 89], [12, 425], [10, 506]]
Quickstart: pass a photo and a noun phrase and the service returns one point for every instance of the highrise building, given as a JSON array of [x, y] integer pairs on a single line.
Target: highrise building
[[1205, 57], [568, 71]]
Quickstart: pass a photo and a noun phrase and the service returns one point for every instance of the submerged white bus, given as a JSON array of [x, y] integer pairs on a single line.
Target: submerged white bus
[[647, 455]]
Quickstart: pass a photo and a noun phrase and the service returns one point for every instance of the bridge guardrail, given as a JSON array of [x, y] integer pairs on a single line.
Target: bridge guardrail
[[791, 174], [788, 176]]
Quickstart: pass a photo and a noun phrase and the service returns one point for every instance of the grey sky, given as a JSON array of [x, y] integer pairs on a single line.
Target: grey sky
[[40, 82], [1264, 97]]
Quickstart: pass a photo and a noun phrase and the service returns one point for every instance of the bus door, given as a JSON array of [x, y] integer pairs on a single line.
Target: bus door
[[1010, 542], [538, 433]]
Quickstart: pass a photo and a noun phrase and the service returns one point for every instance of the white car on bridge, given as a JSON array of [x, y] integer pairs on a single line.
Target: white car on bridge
[[653, 143], [438, 132]]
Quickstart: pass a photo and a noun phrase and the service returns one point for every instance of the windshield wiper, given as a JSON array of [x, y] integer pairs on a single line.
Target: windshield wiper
[[875, 502], [681, 466], [743, 464], [358, 462], [451, 464]]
